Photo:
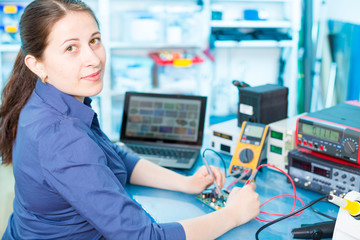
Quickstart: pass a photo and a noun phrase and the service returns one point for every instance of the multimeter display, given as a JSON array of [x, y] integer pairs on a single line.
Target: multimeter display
[[320, 132], [253, 131]]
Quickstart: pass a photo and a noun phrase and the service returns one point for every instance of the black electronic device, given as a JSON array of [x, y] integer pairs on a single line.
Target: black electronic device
[[262, 104], [314, 231], [334, 131], [321, 173]]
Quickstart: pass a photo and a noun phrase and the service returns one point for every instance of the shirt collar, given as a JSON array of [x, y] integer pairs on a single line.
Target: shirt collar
[[65, 103]]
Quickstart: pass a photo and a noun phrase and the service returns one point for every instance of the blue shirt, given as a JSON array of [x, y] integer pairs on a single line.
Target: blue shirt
[[69, 177]]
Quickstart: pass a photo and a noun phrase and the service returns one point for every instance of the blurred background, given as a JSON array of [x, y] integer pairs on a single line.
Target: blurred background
[[199, 47]]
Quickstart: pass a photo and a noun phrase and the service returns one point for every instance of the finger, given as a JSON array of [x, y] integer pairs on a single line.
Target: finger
[[203, 171], [252, 186], [217, 174], [209, 179], [223, 179], [235, 189]]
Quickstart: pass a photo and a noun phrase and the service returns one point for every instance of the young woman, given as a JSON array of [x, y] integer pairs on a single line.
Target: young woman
[[69, 176]]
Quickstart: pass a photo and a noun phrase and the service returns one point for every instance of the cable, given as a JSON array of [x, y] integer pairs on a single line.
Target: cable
[[278, 214], [322, 214], [291, 181], [221, 158], [244, 174], [212, 174], [289, 215]]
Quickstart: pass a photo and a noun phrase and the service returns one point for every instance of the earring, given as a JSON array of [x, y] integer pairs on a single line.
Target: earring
[[43, 77]]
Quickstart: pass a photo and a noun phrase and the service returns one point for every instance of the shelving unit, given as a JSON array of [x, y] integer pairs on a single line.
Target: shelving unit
[[250, 24], [132, 29], [254, 44], [115, 14], [282, 17], [8, 27]]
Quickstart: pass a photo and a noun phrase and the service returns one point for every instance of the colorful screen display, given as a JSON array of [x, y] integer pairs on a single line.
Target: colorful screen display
[[165, 118]]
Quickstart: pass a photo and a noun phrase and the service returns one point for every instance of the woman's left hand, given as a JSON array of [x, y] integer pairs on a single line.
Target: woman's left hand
[[201, 180]]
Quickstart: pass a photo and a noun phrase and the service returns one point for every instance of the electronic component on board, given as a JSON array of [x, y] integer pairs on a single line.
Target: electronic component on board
[[212, 199]]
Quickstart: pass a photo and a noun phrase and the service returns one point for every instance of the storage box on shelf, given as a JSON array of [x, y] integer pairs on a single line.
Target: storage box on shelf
[[244, 20], [176, 72], [130, 73], [157, 24]]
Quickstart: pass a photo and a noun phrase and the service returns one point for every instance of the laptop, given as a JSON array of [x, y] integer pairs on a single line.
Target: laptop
[[166, 129]]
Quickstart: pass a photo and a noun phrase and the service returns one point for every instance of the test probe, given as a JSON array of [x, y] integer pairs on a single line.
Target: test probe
[[353, 207], [219, 192]]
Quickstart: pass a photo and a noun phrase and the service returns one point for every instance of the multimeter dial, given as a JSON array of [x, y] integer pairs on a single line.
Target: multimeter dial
[[350, 145], [246, 155]]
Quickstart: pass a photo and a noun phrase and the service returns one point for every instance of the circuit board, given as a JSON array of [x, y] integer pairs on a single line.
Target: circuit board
[[211, 199]]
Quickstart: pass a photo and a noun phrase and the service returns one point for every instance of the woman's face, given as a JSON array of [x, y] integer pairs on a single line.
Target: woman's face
[[74, 59]]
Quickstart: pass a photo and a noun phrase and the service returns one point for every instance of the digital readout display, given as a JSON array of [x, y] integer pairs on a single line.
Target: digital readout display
[[320, 132], [275, 149], [276, 135], [222, 135], [301, 165], [309, 168], [321, 171], [253, 131]]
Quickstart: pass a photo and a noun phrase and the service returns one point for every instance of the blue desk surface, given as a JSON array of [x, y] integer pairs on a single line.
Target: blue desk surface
[[168, 206]]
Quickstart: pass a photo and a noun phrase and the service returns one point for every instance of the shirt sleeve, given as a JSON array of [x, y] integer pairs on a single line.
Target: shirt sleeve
[[129, 160], [75, 166]]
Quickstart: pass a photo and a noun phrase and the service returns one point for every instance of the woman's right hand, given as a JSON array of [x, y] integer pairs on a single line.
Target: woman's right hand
[[243, 204]]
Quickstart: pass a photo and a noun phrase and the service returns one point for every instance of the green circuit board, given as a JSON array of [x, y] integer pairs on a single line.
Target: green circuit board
[[211, 199]]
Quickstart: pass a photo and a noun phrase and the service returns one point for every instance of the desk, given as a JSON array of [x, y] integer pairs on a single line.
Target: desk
[[169, 206]]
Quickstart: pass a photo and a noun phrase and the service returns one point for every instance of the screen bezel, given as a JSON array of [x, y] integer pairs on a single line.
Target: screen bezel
[[128, 95], [251, 138]]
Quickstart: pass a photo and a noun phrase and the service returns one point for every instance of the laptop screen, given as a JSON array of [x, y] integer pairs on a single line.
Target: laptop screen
[[163, 117]]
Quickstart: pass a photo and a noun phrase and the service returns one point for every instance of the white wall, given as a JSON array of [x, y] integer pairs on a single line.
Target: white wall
[[344, 10], [255, 66]]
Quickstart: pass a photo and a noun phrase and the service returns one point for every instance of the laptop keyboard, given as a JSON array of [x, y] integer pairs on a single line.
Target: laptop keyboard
[[182, 156]]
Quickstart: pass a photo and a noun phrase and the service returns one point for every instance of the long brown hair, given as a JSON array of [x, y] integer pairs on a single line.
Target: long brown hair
[[35, 26]]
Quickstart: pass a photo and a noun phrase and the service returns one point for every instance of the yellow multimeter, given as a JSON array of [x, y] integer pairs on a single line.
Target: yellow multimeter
[[247, 155]]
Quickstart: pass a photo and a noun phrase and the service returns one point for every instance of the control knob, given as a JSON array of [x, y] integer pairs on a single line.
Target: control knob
[[246, 155], [349, 146]]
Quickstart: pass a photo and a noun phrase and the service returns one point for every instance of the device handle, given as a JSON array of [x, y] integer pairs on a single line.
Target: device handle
[[315, 231]]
